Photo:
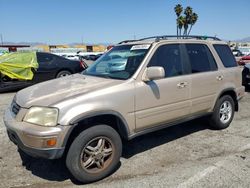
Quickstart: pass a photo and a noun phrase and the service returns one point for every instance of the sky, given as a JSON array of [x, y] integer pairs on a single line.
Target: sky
[[111, 21]]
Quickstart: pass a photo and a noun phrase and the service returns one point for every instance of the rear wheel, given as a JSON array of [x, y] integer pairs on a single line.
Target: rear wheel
[[223, 112], [94, 154], [63, 74]]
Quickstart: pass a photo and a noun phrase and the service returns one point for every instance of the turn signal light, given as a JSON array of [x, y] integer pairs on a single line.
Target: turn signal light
[[51, 142]]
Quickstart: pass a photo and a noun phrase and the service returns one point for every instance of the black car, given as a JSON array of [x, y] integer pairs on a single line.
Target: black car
[[50, 66], [246, 76]]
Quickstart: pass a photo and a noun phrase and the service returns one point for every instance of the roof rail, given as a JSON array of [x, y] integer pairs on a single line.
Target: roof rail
[[126, 41], [166, 37]]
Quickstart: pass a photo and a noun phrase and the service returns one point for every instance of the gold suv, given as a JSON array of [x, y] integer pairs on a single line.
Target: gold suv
[[137, 87]]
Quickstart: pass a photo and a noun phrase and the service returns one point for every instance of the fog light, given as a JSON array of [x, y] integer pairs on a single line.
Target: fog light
[[51, 142]]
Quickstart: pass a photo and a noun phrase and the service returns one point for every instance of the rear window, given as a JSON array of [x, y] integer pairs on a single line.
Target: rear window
[[42, 57], [200, 57], [225, 55]]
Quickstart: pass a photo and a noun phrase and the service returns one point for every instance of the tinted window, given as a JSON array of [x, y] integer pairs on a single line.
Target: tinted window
[[200, 58], [168, 57], [44, 57], [225, 55]]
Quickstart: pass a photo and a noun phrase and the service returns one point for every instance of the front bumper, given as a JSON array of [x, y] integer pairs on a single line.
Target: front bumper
[[32, 139], [40, 153]]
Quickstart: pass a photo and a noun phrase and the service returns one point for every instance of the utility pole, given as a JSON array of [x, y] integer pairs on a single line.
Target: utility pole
[[1, 36], [82, 40]]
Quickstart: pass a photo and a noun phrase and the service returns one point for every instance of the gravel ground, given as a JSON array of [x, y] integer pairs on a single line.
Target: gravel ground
[[185, 155]]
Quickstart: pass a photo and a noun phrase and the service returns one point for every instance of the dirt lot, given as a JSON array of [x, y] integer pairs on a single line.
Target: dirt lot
[[186, 155]]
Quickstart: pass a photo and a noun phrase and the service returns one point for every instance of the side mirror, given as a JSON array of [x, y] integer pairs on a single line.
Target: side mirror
[[153, 73]]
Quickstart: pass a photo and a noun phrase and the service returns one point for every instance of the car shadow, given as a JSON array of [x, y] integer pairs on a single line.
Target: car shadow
[[155, 139], [56, 170], [52, 170]]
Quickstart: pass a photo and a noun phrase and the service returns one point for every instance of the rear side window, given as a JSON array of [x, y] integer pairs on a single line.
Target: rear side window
[[225, 55], [200, 58], [169, 57], [44, 57]]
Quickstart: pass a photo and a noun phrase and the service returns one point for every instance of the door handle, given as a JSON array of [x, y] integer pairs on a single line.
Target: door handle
[[219, 78], [182, 85]]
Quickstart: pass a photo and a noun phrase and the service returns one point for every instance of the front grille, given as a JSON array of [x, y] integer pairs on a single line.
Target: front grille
[[15, 107]]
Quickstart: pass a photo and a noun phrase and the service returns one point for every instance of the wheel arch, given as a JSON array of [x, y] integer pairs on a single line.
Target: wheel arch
[[231, 92], [110, 118]]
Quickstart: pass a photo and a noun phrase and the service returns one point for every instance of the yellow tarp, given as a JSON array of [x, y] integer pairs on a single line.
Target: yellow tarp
[[18, 65]]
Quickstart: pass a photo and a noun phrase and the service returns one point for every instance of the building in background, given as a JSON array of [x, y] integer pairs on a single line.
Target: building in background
[[13, 48], [45, 48], [77, 49], [56, 49]]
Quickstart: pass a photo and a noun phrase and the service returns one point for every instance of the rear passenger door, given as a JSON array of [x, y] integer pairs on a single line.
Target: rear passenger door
[[205, 77], [231, 72]]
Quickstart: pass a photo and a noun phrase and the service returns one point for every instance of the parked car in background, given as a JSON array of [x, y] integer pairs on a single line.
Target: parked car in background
[[71, 57], [237, 54], [244, 60], [246, 76], [244, 50], [50, 66], [91, 57]]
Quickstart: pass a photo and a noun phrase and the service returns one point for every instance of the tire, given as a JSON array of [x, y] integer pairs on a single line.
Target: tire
[[63, 74], [223, 112], [87, 159]]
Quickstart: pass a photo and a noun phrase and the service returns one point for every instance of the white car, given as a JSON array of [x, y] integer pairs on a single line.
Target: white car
[[71, 57], [245, 50]]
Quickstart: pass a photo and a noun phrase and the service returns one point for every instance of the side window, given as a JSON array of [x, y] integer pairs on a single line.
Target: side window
[[200, 58], [169, 57], [44, 57], [225, 55]]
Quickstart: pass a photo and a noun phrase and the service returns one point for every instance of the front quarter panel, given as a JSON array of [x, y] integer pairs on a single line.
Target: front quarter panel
[[118, 100]]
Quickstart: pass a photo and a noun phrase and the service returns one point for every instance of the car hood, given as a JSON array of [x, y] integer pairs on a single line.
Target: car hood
[[53, 91]]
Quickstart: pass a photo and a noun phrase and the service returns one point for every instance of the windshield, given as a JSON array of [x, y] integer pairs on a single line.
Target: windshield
[[120, 62]]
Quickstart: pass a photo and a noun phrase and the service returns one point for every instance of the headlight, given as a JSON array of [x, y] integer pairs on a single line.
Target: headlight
[[42, 116]]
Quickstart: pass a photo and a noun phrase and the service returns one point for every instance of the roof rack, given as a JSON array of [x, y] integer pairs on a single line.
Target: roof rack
[[166, 37], [126, 41]]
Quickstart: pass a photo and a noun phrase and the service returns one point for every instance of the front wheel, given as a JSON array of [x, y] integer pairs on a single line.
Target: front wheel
[[94, 154], [223, 112]]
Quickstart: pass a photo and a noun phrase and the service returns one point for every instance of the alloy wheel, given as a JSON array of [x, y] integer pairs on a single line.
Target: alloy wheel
[[97, 154], [225, 112]]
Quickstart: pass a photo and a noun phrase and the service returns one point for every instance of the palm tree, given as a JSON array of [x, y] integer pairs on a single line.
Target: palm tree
[[180, 23], [188, 13], [178, 10], [193, 20], [189, 19]]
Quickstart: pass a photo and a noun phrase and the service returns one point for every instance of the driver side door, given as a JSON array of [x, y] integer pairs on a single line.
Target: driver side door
[[168, 99]]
